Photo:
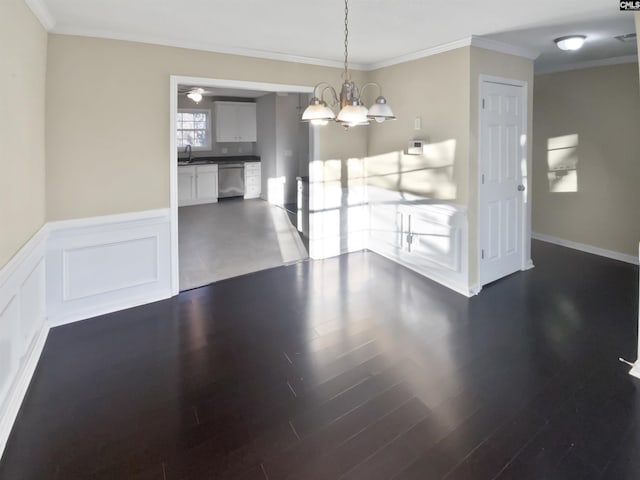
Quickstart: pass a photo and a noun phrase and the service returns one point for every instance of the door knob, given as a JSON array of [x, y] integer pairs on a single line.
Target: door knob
[[521, 188]]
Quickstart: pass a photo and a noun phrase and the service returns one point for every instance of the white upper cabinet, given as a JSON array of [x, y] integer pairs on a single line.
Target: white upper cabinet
[[235, 121]]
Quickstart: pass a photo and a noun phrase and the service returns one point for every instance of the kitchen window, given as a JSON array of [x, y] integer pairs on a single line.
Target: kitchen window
[[194, 128]]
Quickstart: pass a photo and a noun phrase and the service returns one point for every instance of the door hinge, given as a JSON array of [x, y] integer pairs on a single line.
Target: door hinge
[[482, 254], [483, 103], [483, 178]]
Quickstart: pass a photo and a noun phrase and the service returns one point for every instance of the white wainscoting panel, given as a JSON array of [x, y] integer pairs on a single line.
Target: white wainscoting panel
[[23, 326], [425, 235], [104, 264]]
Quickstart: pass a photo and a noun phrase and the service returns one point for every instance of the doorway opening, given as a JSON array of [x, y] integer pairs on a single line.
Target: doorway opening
[[239, 163]]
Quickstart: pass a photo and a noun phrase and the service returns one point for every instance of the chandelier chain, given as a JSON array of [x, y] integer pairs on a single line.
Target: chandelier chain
[[346, 40]]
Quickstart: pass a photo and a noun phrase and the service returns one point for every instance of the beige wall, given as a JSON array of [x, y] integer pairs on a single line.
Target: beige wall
[[23, 50], [436, 89], [111, 154], [600, 105], [638, 34], [443, 90], [487, 62]]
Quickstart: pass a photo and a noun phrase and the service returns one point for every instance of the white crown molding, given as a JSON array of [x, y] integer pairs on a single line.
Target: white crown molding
[[502, 47], [473, 41], [604, 62], [445, 47], [283, 57], [204, 46], [42, 13]]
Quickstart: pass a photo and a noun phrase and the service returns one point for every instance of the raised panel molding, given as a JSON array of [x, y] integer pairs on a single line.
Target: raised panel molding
[[72, 270], [123, 264], [425, 235], [23, 326], [104, 264]]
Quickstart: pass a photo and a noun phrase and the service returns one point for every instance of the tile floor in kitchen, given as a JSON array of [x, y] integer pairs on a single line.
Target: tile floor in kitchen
[[234, 237]]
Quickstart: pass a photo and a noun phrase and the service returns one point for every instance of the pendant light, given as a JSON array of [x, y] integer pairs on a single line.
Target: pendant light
[[352, 111], [195, 94]]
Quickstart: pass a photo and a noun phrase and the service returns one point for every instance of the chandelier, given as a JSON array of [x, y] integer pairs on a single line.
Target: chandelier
[[352, 111]]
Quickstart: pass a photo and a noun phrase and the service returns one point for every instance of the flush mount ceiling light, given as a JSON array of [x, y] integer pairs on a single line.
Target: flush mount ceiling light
[[352, 111], [195, 94], [572, 42]]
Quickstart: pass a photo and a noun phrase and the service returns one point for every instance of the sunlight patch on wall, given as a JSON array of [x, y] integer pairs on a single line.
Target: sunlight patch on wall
[[430, 174], [337, 215], [275, 190], [562, 161]]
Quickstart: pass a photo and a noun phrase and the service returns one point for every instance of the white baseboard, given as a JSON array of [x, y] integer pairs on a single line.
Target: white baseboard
[[104, 264], [623, 257], [23, 326]]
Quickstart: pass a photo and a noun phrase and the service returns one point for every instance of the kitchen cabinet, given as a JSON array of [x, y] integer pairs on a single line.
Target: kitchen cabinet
[[197, 184], [235, 121], [252, 180]]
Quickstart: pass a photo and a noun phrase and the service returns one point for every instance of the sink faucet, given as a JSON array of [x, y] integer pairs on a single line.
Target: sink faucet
[[187, 149]]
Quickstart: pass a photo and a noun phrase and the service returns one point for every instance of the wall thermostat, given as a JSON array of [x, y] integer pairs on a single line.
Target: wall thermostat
[[416, 147]]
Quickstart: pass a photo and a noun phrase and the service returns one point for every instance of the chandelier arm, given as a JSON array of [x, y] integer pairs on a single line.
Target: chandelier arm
[[315, 89], [335, 99], [370, 84]]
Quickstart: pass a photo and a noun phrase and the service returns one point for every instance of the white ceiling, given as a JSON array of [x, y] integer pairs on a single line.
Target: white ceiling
[[599, 45], [380, 30]]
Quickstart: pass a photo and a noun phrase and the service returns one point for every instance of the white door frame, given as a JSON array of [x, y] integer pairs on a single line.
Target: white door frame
[[525, 238], [174, 81]]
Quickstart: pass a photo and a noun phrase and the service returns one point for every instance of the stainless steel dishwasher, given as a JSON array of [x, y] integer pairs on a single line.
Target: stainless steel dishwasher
[[230, 180]]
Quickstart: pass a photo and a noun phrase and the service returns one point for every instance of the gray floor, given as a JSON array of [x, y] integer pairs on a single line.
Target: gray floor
[[234, 237]]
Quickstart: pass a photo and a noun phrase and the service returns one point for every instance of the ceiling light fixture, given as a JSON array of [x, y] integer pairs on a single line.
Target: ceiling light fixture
[[352, 111], [572, 42], [195, 94]]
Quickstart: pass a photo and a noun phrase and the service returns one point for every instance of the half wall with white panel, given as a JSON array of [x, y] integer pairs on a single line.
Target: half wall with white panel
[[23, 326], [423, 234], [104, 264]]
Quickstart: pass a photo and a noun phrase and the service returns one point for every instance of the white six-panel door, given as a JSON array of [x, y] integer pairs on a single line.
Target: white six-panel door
[[502, 156]]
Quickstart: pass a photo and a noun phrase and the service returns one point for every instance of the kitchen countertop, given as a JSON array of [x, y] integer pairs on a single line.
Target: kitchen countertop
[[215, 160]]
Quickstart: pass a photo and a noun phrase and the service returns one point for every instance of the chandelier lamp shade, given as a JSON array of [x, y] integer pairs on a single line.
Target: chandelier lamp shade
[[352, 110]]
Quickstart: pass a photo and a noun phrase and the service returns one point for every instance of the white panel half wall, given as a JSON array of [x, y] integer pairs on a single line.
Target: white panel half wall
[[425, 235], [23, 326], [104, 264]]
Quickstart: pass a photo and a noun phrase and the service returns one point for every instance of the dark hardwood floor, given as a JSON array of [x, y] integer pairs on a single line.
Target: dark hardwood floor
[[350, 368]]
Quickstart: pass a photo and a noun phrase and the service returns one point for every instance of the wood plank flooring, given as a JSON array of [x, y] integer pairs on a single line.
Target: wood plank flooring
[[350, 368]]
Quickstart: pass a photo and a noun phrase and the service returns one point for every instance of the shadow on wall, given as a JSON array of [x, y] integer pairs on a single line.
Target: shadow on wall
[[562, 162]]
